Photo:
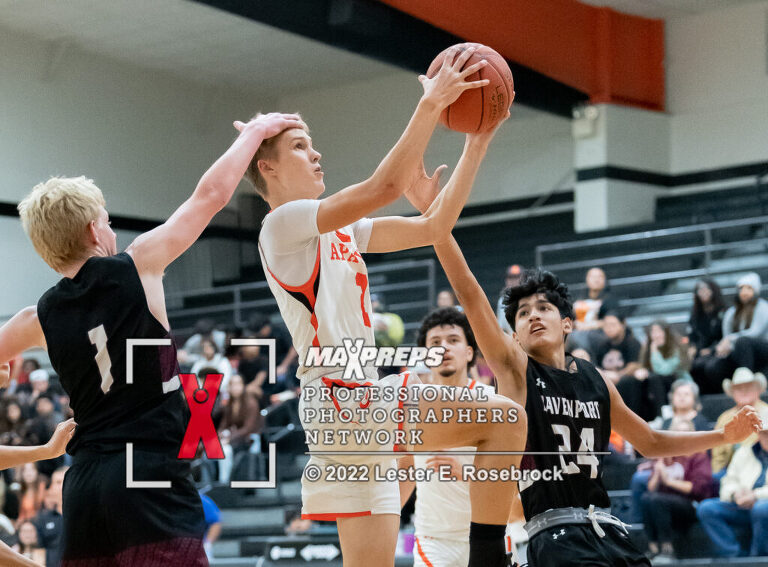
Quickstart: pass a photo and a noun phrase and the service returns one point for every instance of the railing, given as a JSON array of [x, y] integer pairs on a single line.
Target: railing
[[234, 303], [704, 250]]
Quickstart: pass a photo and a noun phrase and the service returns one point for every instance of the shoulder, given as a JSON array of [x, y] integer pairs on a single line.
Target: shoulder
[[292, 210]]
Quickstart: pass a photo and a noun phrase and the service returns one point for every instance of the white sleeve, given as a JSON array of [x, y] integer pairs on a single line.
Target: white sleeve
[[362, 232], [290, 227]]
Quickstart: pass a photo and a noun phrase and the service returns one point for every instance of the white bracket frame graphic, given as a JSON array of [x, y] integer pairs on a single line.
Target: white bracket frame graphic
[[175, 384]]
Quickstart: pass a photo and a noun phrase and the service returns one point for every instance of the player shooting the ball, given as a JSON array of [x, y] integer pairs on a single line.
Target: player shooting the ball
[[310, 250]]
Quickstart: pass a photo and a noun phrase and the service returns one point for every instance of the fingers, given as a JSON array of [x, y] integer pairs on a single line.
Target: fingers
[[464, 57], [476, 84], [238, 125], [474, 68], [439, 171], [450, 57]]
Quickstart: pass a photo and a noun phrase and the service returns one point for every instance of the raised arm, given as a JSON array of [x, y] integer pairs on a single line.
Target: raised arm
[[395, 173], [501, 351], [10, 558], [15, 456], [153, 251], [653, 443]]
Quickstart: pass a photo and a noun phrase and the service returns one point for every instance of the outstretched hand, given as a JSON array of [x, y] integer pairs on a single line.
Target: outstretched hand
[[744, 424], [450, 80], [424, 189], [270, 124], [61, 436]]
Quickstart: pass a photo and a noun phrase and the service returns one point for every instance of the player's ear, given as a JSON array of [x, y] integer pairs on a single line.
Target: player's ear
[[91, 234], [265, 167], [470, 352], [567, 325]]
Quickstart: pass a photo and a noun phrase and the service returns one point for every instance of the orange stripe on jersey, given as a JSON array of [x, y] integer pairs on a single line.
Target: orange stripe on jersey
[[472, 384], [421, 554], [398, 447], [306, 294]]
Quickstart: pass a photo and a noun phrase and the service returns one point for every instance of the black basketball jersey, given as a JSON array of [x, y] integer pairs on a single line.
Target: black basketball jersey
[[567, 412], [87, 321]]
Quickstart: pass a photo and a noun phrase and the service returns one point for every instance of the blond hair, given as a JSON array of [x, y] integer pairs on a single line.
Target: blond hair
[[267, 150], [55, 216]]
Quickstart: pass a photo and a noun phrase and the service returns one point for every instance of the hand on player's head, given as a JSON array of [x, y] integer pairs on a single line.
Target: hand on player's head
[[61, 436], [744, 424], [270, 124], [451, 80]]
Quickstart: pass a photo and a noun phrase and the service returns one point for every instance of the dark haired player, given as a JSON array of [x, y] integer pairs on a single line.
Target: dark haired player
[[103, 300], [571, 410], [443, 507]]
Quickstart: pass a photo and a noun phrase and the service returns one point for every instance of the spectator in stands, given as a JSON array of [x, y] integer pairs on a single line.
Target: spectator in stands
[[27, 543], [242, 420], [663, 359], [31, 492], [619, 351], [49, 521], [685, 406], [512, 278], [253, 368], [40, 382], [745, 336], [286, 356], [212, 524], [745, 389], [193, 347], [446, 298], [13, 425], [590, 310], [668, 505], [28, 365], [743, 502], [213, 359], [705, 326]]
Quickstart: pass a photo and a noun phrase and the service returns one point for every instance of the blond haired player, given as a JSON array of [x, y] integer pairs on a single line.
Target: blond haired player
[[103, 300], [443, 506], [310, 251]]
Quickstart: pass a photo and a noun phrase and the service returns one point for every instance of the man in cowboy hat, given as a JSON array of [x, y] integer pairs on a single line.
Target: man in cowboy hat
[[745, 388], [743, 501]]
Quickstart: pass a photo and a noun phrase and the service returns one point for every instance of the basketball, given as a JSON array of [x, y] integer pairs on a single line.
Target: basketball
[[478, 110]]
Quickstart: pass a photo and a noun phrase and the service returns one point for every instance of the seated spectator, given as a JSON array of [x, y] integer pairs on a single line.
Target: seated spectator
[[512, 278], [193, 348], [39, 383], [27, 543], [31, 493], [675, 484], [743, 502], [619, 351], [286, 357], [685, 406], [21, 377], [590, 310], [212, 524], [13, 424], [446, 298], [49, 521], [212, 359], [745, 337], [705, 325], [253, 368], [663, 359], [745, 389], [241, 420]]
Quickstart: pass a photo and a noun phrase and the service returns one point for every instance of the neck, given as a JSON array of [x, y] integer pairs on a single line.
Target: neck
[[594, 293], [555, 359], [456, 379]]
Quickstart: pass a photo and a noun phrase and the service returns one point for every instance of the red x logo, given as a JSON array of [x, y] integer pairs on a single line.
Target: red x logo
[[200, 428]]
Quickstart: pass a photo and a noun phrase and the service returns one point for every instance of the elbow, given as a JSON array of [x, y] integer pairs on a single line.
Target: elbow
[[435, 232]]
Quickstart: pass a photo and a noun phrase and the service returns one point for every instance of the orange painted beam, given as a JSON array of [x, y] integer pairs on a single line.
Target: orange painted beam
[[616, 58]]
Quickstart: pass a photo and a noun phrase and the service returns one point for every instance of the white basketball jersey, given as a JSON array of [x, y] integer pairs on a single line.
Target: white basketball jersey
[[443, 508], [332, 304]]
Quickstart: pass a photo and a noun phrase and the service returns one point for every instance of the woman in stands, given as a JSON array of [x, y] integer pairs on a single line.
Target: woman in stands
[[745, 337], [705, 326]]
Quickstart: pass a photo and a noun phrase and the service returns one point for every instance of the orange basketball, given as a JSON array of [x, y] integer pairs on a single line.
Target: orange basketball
[[478, 110]]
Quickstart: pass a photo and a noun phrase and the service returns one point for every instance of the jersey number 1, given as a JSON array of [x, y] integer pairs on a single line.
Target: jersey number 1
[[98, 338]]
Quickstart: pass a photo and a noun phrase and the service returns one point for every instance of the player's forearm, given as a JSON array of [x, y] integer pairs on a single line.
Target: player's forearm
[[676, 443], [397, 169], [14, 456], [10, 558], [218, 184], [467, 289]]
